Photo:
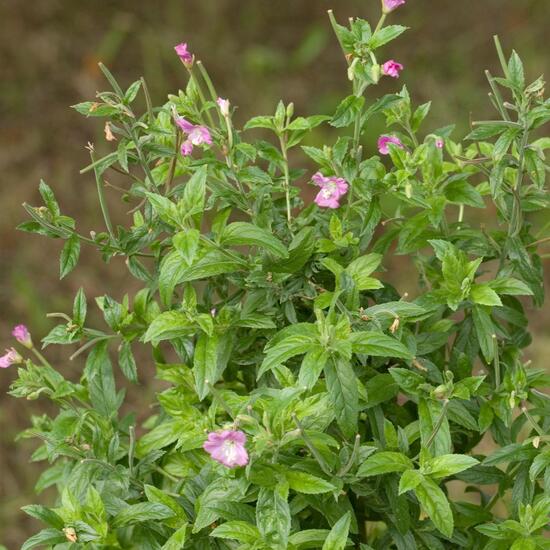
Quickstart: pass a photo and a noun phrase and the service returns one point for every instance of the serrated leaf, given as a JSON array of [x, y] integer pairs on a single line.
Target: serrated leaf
[[69, 255], [338, 536], [243, 233], [378, 344], [302, 482], [344, 394], [384, 462], [436, 506]]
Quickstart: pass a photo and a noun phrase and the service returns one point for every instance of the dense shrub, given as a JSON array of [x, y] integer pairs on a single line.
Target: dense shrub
[[308, 404]]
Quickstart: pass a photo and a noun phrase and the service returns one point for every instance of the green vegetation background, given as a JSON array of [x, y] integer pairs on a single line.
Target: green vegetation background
[[257, 51]]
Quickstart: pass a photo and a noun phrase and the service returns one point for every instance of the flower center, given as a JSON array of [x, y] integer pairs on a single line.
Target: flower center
[[329, 190]]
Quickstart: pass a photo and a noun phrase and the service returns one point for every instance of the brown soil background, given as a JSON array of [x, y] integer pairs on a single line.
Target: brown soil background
[[257, 51]]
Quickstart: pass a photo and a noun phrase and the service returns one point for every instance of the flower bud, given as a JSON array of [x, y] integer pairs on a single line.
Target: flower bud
[[390, 5], [22, 335], [223, 104]]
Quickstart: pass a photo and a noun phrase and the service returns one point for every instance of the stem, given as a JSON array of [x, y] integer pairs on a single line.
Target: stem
[[501, 57], [335, 25], [324, 466], [201, 94], [41, 358], [102, 201], [438, 423], [531, 420], [347, 467], [380, 23], [131, 449], [287, 182], [496, 362], [147, 100], [497, 96]]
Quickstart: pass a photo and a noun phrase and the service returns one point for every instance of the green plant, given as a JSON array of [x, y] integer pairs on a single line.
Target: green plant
[[273, 317]]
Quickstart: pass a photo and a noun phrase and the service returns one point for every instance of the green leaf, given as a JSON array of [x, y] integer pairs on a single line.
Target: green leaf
[[237, 530], [312, 365], [347, 111], [164, 208], [344, 394], [483, 294], [126, 361], [177, 540], [384, 462], [260, 122], [379, 345], [194, 192], [69, 255], [302, 482], [309, 538], [187, 244], [429, 414], [410, 479], [338, 535], [273, 516], [141, 512], [436, 506], [461, 192], [407, 380], [212, 264], [511, 286], [516, 74], [154, 494], [167, 326], [46, 537], [101, 382], [46, 515], [484, 331], [385, 35], [243, 233], [205, 363], [284, 350], [79, 308], [448, 465], [361, 268]]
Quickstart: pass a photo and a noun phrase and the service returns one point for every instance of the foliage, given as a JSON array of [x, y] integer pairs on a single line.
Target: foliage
[[273, 316]]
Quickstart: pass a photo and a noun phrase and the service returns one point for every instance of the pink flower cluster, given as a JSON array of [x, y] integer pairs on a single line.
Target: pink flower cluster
[[11, 357], [227, 447], [332, 188], [196, 135]]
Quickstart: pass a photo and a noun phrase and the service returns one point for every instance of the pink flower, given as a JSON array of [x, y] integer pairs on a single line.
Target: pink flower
[[383, 142], [185, 55], [22, 335], [439, 142], [227, 448], [10, 358], [196, 135], [223, 104], [332, 188], [392, 68], [390, 5]]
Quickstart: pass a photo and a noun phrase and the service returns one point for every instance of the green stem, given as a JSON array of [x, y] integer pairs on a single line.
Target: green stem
[[321, 461], [496, 362], [380, 23], [102, 201], [286, 182], [41, 358], [501, 56], [438, 423]]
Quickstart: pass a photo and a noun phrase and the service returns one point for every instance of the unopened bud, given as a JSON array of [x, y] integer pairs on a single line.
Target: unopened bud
[[70, 534]]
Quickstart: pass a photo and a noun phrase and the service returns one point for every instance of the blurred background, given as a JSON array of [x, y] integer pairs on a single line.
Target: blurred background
[[258, 51]]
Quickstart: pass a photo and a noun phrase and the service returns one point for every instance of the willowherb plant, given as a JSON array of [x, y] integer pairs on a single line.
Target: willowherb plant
[[308, 403]]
